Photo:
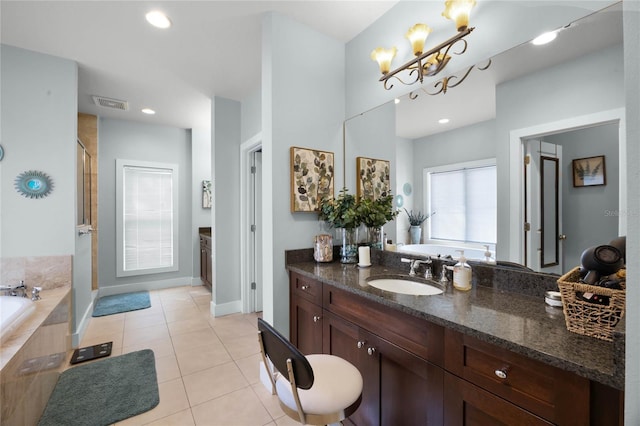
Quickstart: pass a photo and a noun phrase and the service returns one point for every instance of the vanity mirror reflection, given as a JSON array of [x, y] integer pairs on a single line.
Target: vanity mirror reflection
[[553, 103]]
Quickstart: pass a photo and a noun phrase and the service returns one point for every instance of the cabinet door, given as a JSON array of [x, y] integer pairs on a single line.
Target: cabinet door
[[306, 326], [342, 338], [469, 405], [410, 388]]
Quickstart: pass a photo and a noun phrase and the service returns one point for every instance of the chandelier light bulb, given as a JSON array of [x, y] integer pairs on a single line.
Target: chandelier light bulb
[[458, 11], [417, 36], [384, 57]]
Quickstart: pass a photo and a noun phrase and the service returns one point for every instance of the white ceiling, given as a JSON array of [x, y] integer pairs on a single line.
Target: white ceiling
[[212, 49]]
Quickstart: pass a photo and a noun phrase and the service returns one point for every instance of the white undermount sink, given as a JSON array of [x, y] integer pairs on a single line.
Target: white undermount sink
[[402, 286]]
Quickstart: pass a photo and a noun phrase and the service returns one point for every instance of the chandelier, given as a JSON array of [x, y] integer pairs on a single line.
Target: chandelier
[[431, 62]]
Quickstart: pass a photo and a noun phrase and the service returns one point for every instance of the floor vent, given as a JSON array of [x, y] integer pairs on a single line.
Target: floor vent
[[111, 103]]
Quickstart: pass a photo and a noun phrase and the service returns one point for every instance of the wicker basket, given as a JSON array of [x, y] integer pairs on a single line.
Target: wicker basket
[[586, 318]]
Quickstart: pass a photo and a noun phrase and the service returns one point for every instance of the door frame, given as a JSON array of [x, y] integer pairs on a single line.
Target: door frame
[[247, 149], [517, 142]]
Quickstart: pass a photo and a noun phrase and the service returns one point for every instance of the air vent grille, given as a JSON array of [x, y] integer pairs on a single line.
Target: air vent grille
[[111, 103]]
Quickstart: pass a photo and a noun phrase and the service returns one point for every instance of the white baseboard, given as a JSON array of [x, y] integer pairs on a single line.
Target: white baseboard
[[76, 337], [218, 310], [196, 281], [151, 285]]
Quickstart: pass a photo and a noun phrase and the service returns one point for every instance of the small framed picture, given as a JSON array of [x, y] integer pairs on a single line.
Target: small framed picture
[[311, 178], [589, 171], [206, 194], [373, 177]]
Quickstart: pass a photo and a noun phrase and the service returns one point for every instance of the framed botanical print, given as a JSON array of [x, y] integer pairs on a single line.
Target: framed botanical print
[[589, 171], [311, 178], [373, 178]]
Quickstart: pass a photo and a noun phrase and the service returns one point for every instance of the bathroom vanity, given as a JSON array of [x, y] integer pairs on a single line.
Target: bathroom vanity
[[486, 356]]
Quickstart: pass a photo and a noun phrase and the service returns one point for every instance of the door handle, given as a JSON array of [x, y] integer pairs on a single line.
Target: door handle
[[562, 237]]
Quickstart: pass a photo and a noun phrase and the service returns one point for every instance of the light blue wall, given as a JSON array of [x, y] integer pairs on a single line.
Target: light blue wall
[[585, 221], [302, 105], [251, 112], [226, 188], [39, 130], [144, 142], [632, 102]]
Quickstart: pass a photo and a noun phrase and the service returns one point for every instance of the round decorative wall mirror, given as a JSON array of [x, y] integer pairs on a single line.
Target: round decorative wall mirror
[[33, 184]]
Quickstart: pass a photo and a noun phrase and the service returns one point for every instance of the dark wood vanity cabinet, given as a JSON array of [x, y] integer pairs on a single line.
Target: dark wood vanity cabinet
[[418, 373], [305, 313], [206, 273]]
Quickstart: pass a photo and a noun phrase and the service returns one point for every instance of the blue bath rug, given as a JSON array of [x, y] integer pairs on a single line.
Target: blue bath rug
[[104, 392], [117, 303]]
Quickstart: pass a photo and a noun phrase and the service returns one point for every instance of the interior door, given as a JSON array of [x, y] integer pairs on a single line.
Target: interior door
[[543, 207]]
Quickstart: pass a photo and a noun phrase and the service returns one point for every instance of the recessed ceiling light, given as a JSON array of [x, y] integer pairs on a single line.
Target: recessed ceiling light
[[443, 121], [397, 100], [158, 19], [148, 111], [544, 38]]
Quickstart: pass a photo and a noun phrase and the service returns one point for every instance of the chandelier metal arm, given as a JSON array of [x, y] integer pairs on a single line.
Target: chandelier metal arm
[[445, 84], [416, 63]]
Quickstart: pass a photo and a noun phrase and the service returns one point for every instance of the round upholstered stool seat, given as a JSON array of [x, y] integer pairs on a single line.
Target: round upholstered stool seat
[[336, 389]]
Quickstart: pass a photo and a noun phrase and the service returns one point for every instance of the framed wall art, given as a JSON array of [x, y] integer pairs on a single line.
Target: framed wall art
[[311, 178], [373, 178], [206, 194], [589, 171]]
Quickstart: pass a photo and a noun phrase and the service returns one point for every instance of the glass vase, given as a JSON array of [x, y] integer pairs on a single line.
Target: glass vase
[[375, 237], [349, 247]]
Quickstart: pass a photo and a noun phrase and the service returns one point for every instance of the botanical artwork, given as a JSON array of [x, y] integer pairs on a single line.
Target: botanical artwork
[[206, 194], [589, 171], [311, 178], [373, 178]]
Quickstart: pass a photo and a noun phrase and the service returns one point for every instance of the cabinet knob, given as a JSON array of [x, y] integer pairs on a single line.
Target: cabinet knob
[[361, 344], [371, 351], [304, 287], [501, 373], [316, 318]]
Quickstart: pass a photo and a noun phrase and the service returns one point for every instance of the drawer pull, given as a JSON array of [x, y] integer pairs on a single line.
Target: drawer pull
[[501, 373], [304, 287], [316, 318], [371, 351], [361, 344]]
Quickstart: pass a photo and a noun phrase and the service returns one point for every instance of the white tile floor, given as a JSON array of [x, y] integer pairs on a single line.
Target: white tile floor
[[208, 368]]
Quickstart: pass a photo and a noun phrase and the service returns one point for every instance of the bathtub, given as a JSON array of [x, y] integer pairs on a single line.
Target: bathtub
[[13, 311], [434, 250]]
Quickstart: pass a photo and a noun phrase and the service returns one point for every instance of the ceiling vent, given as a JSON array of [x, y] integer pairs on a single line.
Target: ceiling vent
[[111, 103]]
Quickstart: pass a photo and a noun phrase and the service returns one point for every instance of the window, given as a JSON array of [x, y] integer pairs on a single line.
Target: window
[[464, 197], [147, 200]]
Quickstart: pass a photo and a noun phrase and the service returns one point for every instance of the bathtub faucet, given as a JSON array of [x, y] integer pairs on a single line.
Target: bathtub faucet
[[15, 290]]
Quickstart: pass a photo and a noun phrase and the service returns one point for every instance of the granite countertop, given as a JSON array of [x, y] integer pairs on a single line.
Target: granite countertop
[[518, 322]]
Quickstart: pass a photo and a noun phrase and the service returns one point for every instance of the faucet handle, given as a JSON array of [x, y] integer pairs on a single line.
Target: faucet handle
[[35, 293]]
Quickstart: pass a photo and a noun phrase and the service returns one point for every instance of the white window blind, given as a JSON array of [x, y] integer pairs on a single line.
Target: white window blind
[[465, 202], [147, 213]]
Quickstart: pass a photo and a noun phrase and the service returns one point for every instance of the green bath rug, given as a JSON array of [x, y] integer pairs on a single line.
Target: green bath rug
[[118, 303], [104, 392]]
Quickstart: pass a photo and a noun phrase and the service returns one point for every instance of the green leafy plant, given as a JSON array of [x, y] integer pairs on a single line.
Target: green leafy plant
[[340, 212], [375, 213], [418, 218]]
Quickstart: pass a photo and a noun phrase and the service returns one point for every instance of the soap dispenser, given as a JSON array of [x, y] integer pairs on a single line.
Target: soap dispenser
[[487, 255], [462, 274]]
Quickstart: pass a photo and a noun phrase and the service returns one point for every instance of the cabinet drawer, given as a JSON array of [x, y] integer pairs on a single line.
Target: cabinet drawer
[[553, 394], [416, 335], [307, 288]]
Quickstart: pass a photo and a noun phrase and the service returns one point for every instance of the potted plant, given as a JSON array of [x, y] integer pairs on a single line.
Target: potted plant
[[415, 221], [341, 213], [374, 214]]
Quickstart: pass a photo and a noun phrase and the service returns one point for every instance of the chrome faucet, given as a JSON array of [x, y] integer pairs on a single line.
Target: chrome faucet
[[15, 290], [443, 276], [415, 263]]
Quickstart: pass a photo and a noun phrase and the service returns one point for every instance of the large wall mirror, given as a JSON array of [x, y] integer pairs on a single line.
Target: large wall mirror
[[551, 104]]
